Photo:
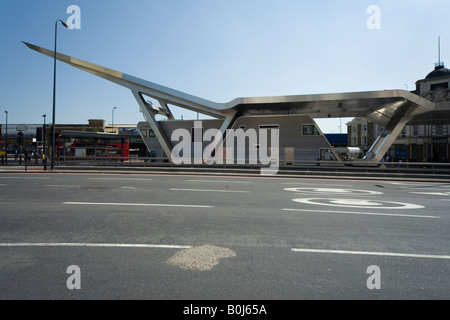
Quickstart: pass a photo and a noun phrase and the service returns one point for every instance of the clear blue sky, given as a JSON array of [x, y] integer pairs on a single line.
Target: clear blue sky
[[215, 49]]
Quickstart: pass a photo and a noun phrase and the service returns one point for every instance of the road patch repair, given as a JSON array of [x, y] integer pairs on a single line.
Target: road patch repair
[[202, 258]]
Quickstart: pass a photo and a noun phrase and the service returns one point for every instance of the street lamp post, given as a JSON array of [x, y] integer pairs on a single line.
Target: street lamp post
[[44, 157], [54, 94], [113, 118], [6, 139]]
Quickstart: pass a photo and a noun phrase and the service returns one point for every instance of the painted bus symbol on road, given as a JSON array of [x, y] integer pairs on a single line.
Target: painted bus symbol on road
[[358, 203], [335, 197], [335, 191]]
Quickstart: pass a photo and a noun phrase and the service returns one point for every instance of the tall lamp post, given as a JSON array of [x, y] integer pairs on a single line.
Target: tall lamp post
[[44, 157], [54, 93], [6, 138], [113, 118]]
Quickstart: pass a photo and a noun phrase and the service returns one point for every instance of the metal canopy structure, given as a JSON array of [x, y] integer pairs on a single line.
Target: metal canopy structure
[[391, 108]]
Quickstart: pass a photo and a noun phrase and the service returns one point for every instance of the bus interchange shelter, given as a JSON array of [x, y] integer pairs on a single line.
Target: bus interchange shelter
[[392, 109]]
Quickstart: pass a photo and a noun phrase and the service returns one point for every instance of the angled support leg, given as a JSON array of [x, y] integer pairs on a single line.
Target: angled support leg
[[390, 133], [221, 135], [149, 115]]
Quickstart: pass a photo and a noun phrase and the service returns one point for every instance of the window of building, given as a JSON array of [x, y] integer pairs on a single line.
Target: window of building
[[310, 130], [442, 85], [439, 130], [364, 128], [274, 128], [364, 140], [415, 130], [354, 141], [403, 133]]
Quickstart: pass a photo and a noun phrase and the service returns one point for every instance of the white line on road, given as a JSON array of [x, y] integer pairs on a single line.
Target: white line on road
[[132, 179], [137, 204], [387, 254], [320, 184], [433, 193], [216, 181], [104, 245], [366, 213], [25, 177], [208, 190], [62, 186]]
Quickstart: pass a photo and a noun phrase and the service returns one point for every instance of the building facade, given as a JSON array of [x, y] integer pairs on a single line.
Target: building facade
[[426, 137], [30, 137]]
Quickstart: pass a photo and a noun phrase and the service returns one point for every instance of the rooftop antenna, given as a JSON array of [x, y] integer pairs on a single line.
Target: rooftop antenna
[[439, 64]]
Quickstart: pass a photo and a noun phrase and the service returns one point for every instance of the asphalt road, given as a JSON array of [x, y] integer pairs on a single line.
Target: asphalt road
[[296, 239]]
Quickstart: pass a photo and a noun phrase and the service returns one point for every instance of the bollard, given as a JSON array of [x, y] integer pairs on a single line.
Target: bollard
[[44, 160]]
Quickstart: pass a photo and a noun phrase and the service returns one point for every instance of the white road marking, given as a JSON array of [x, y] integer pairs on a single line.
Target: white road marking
[[330, 190], [320, 184], [366, 213], [25, 177], [132, 179], [209, 190], [386, 254], [137, 204], [433, 193], [104, 245], [62, 186], [356, 203], [218, 181]]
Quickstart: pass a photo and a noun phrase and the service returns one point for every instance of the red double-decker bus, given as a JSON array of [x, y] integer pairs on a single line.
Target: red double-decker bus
[[78, 145]]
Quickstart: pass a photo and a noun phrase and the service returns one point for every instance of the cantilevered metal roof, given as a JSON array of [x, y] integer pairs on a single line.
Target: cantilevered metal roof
[[377, 106]]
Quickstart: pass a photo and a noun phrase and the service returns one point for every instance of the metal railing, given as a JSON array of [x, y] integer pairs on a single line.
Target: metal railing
[[285, 166]]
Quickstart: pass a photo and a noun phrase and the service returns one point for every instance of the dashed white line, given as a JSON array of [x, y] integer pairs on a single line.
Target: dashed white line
[[102, 245], [319, 184], [371, 253], [219, 181], [137, 204], [365, 213], [62, 186], [131, 179], [22, 178], [210, 190], [433, 193]]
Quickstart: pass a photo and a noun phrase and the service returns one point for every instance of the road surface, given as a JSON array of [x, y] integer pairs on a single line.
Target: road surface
[[191, 237]]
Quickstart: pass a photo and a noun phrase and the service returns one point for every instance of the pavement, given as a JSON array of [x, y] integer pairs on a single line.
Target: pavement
[[387, 172]]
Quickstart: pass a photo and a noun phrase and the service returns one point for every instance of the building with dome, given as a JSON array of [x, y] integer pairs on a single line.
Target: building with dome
[[424, 138]]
